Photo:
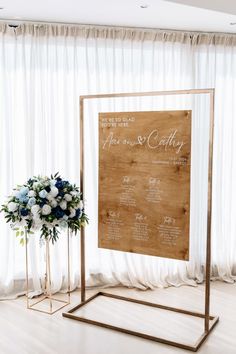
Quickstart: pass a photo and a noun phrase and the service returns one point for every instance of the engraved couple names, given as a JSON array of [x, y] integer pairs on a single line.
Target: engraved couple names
[[153, 140]]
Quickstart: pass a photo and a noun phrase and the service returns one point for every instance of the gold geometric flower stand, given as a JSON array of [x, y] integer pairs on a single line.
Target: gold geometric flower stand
[[47, 303]]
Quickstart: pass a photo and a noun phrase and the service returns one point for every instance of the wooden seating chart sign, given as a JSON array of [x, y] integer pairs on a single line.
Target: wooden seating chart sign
[[144, 182]]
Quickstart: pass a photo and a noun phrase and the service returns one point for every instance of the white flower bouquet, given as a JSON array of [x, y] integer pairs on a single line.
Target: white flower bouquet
[[45, 204]]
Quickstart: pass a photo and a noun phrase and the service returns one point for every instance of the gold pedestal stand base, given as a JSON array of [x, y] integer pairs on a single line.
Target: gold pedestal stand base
[[52, 304], [47, 293]]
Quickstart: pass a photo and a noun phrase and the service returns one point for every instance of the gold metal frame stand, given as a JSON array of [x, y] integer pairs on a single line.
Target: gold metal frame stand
[[209, 321], [47, 294]]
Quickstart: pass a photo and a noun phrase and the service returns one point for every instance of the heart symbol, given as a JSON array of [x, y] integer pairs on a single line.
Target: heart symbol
[[141, 139]]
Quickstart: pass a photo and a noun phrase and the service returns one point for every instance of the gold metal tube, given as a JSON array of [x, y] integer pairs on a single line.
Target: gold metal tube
[[209, 212], [27, 269], [48, 282], [147, 93], [48, 269], [68, 262], [82, 190]]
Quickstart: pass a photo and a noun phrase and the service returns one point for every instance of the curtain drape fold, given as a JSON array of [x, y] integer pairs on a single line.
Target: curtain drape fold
[[120, 33]]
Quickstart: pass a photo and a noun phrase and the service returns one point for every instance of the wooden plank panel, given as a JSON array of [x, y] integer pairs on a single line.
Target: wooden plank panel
[[144, 182]]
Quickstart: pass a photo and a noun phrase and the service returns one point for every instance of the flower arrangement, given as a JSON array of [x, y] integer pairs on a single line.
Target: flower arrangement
[[45, 204]]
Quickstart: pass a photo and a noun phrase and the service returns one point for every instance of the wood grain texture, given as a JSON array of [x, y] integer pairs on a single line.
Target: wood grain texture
[[144, 182]]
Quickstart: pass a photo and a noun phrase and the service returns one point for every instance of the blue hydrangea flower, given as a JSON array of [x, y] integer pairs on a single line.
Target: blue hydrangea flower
[[59, 185], [42, 202], [58, 212], [24, 190], [24, 212], [43, 193], [31, 201], [22, 197], [78, 212]]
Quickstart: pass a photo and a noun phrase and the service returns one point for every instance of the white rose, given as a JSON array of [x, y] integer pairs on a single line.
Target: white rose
[[54, 191], [12, 206], [46, 209], [74, 193], [35, 209], [68, 197], [65, 217], [53, 203], [63, 205], [31, 194], [49, 197], [72, 213]]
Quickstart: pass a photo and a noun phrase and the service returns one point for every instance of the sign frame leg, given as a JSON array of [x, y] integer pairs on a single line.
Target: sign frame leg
[[209, 321]]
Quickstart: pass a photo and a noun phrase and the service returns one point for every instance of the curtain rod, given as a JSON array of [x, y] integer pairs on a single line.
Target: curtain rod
[[16, 23]]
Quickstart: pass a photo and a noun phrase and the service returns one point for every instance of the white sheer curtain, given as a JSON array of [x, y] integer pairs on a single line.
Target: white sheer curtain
[[43, 70]]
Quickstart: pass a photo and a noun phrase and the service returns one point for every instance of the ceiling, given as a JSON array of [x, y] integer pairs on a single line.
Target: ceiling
[[194, 15], [228, 6]]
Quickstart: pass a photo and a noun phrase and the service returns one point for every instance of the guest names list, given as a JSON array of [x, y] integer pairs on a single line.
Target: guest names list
[[144, 182]]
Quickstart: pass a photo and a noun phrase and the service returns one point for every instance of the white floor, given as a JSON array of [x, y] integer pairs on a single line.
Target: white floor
[[25, 331]]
